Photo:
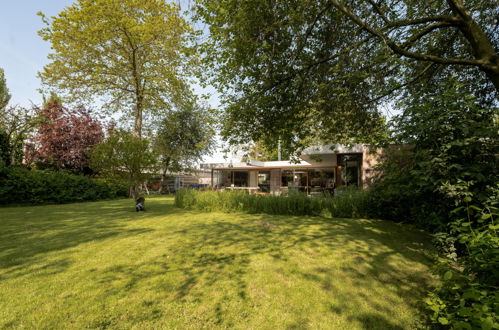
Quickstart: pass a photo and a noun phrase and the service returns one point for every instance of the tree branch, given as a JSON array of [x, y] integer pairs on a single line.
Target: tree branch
[[430, 19], [311, 27], [378, 10], [306, 68], [399, 49], [425, 31], [390, 91], [459, 8]]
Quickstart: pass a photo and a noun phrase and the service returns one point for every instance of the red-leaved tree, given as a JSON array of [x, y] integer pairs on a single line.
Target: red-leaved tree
[[65, 138]]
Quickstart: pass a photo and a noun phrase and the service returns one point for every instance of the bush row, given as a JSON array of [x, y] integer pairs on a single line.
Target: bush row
[[346, 205], [21, 186]]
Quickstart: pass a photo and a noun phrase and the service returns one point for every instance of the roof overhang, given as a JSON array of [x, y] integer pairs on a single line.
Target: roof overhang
[[334, 149]]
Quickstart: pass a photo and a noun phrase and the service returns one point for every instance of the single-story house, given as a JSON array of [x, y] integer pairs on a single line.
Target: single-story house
[[318, 169]]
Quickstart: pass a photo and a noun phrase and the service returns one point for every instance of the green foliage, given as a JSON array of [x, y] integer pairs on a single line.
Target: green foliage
[[347, 205], [401, 193], [267, 60], [4, 91], [5, 148], [133, 54], [124, 157], [15, 125], [21, 186], [184, 136], [118, 188], [51, 98], [447, 137], [300, 69], [18, 123], [468, 297], [444, 179]]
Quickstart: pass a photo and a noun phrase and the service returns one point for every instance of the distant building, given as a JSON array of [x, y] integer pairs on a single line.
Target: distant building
[[318, 169], [200, 178]]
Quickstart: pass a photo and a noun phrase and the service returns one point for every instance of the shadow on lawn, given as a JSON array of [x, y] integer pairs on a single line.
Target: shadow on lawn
[[278, 236], [215, 252], [27, 233]]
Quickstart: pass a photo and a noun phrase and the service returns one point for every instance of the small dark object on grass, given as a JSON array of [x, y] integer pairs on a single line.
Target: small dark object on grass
[[140, 204]]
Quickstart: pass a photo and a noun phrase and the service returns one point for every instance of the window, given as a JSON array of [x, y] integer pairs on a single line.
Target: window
[[240, 178], [350, 169], [264, 181], [322, 178], [295, 179], [286, 178]]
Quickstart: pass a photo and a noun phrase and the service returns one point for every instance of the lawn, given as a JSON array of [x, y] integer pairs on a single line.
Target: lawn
[[102, 265]]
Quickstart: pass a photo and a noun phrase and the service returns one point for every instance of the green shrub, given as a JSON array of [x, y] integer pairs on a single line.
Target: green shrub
[[448, 159], [468, 297], [21, 186], [350, 204]]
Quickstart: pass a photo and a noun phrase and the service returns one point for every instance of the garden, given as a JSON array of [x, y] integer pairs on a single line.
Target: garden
[[140, 94]]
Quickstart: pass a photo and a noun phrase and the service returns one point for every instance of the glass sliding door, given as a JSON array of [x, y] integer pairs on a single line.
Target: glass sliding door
[[322, 180], [264, 181], [240, 178], [296, 179]]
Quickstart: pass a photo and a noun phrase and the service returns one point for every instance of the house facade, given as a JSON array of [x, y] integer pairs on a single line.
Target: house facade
[[318, 169]]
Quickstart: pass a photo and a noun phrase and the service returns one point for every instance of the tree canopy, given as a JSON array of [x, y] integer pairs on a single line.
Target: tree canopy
[[297, 69], [65, 137], [184, 137], [18, 124], [133, 54], [4, 91], [125, 157]]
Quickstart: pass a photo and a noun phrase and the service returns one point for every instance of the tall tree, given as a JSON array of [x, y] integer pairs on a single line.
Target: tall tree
[[125, 157], [325, 69], [131, 53], [65, 137], [184, 137], [18, 124], [5, 147], [4, 91]]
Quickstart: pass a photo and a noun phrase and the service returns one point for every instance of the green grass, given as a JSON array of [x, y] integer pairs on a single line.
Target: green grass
[[349, 204], [101, 265]]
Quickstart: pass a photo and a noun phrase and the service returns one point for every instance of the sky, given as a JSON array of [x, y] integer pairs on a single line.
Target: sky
[[23, 53]]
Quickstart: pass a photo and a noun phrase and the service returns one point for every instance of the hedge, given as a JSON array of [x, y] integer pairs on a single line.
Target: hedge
[[22, 186]]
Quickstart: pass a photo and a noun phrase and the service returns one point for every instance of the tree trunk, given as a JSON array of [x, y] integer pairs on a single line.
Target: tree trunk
[[166, 162], [482, 48], [163, 177], [133, 192], [161, 181], [138, 116]]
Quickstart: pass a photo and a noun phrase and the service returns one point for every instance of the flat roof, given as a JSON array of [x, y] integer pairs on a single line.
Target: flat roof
[[252, 168], [330, 149], [256, 164], [334, 149]]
